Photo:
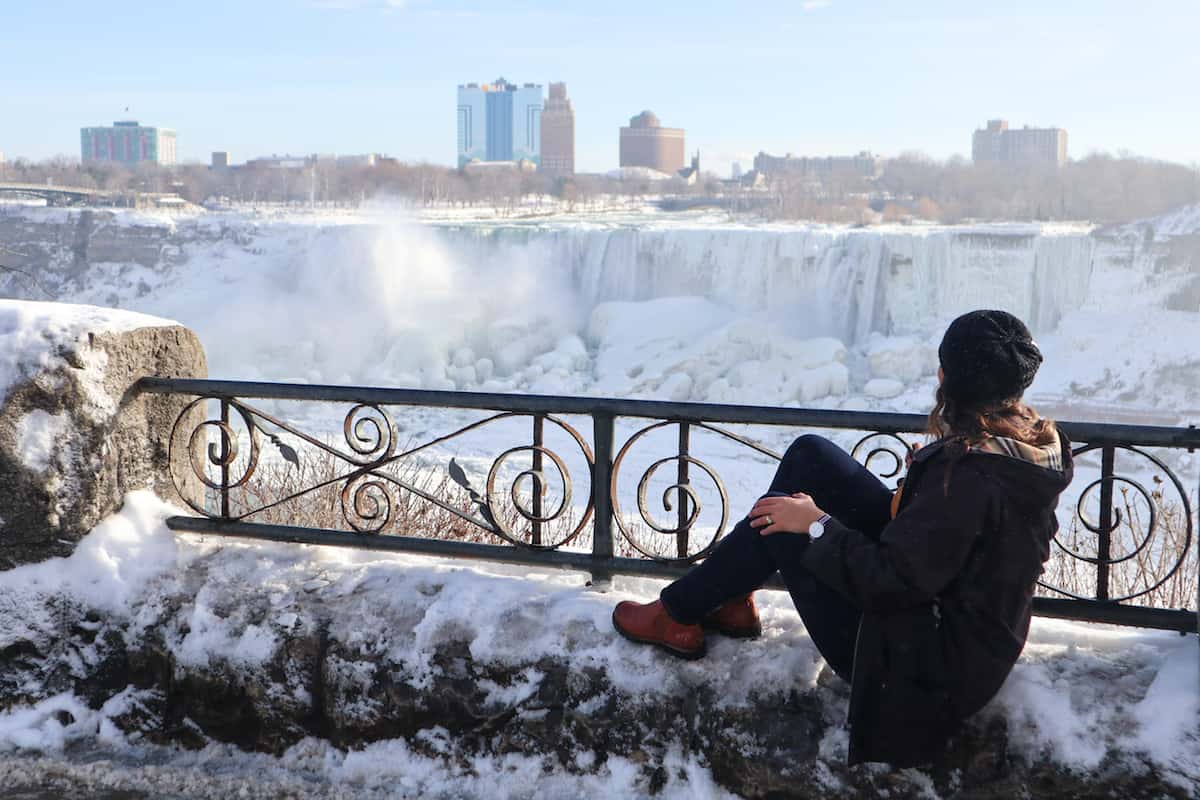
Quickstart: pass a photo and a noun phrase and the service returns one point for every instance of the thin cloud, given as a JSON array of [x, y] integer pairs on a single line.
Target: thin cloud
[[354, 5], [814, 5]]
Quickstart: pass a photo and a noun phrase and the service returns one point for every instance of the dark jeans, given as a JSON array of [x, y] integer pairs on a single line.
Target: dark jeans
[[745, 559]]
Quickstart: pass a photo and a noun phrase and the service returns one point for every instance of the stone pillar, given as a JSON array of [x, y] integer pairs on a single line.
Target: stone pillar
[[74, 436]]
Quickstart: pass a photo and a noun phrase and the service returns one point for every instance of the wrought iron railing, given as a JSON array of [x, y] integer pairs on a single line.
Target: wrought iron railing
[[1119, 515]]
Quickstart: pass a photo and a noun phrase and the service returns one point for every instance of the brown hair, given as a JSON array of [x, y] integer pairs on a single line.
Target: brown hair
[[968, 424], [973, 423]]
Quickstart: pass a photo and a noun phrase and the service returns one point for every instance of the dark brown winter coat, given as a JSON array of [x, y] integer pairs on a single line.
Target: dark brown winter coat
[[946, 594]]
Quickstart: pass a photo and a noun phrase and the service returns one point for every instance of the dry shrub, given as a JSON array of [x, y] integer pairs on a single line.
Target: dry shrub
[[1144, 569], [310, 495], [324, 491]]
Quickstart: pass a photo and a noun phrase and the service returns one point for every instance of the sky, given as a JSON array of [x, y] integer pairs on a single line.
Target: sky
[[812, 77]]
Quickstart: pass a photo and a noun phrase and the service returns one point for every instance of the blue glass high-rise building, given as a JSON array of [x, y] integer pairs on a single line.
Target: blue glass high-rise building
[[499, 122]]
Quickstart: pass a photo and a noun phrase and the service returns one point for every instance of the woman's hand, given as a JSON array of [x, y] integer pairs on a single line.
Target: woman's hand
[[911, 453], [793, 514]]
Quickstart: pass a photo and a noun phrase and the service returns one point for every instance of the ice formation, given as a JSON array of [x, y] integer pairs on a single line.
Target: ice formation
[[708, 310]]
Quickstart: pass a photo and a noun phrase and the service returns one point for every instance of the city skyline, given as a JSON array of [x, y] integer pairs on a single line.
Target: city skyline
[[347, 76]]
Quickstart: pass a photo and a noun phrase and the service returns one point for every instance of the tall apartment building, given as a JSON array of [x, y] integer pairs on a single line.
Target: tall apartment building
[[997, 142], [862, 165], [499, 122], [645, 143], [558, 133], [127, 143]]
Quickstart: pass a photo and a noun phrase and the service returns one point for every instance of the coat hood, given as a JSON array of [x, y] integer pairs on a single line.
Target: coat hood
[[1032, 475], [1036, 475]]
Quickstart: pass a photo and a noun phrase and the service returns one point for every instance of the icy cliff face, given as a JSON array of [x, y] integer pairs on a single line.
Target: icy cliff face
[[680, 306], [820, 280]]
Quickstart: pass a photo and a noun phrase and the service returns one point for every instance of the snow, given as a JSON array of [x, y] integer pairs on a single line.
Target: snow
[[1182, 222], [38, 727], [1079, 694], [883, 388], [381, 771], [1170, 711], [638, 174], [689, 348], [901, 358], [113, 564], [39, 434], [34, 335]]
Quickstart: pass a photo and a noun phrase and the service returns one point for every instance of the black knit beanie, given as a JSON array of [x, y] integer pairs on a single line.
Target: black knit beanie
[[987, 357]]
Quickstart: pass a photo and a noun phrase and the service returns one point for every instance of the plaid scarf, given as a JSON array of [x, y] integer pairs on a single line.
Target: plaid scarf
[[1048, 456]]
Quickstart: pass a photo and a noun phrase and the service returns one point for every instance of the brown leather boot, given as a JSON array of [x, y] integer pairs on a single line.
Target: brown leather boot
[[737, 619], [649, 623]]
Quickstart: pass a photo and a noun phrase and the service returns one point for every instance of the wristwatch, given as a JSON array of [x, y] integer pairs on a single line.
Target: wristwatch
[[817, 529]]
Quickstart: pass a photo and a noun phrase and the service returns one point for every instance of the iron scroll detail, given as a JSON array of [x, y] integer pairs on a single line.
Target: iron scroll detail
[[367, 487], [222, 454], [1120, 520], [868, 449], [689, 502]]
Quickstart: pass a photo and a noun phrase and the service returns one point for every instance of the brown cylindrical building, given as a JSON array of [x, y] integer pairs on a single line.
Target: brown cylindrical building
[[558, 133], [645, 143]]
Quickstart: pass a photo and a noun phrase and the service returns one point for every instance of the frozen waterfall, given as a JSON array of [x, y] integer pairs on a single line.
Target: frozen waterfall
[[843, 283], [657, 305]]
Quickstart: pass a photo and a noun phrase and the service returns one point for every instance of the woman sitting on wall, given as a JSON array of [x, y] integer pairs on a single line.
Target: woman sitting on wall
[[920, 600]]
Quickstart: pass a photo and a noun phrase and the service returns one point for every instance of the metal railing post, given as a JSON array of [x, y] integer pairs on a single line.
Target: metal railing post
[[1104, 535], [604, 431], [682, 478], [226, 447], [539, 424]]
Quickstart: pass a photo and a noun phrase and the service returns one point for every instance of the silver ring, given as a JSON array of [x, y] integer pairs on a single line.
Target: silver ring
[[770, 521]]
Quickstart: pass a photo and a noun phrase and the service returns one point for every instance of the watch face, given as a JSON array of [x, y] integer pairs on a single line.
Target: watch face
[[816, 530]]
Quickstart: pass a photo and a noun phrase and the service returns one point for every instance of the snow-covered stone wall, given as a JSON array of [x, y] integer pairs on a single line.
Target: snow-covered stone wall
[[74, 438], [436, 678]]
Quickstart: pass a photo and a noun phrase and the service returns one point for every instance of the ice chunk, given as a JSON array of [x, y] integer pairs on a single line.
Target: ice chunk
[[883, 388], [902, 358], [484, 368], [677, 387], [830, 379]]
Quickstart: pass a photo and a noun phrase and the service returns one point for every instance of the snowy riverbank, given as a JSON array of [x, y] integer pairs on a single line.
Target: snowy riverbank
[[1087, 705]]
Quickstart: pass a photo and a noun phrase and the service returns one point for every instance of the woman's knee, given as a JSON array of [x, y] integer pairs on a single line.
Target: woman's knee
[[812, 464], [810, 447]]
